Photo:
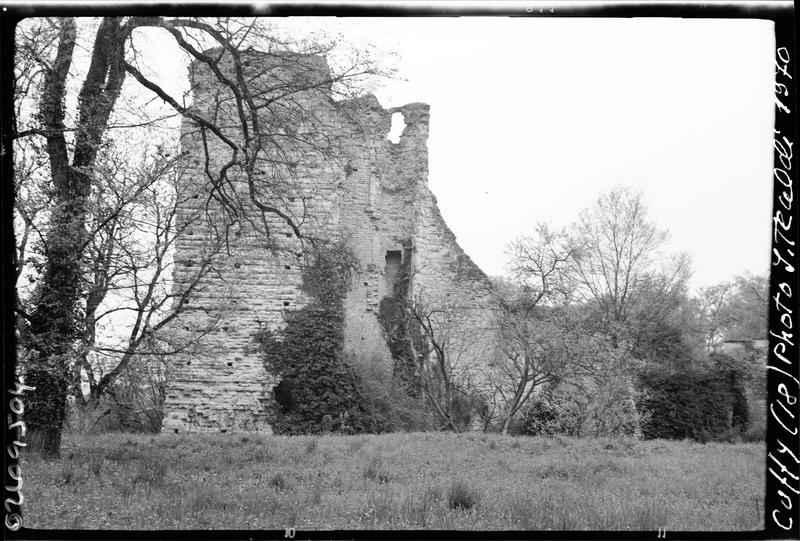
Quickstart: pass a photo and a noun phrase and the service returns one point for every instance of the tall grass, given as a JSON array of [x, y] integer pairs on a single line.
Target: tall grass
[[397, 481]]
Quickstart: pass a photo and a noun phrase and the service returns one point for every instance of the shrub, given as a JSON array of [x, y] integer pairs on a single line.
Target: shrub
[[311, 446], [389, 405], [374, 470], [67, 473], [600, 406], [542, 418], [152, 470], [462, 496], [689, 404], [95, 464], [464, 407], [278, 482]]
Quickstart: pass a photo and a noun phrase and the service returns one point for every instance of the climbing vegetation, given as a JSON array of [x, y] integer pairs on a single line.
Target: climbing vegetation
[[319, 391]]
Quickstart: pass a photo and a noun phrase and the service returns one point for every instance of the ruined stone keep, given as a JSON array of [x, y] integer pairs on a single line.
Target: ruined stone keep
[[368, 191]]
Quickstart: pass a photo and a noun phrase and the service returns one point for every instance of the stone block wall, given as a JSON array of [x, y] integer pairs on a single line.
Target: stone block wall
[[365, 190]]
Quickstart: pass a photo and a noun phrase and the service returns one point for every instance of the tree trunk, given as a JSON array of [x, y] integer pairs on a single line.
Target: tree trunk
[[52, 331], [54, 328], [45, 442], [507, 425]]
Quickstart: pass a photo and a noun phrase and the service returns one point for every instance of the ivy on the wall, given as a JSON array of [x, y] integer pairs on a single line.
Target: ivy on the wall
[[318, 390], [403, 337]]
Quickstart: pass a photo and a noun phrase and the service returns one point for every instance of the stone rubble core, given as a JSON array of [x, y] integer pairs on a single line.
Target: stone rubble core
[[365, 189]]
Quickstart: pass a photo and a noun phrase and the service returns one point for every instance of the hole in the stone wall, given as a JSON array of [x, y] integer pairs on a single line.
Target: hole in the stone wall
[[398, 125], [394, 259], [286, 303], [362, 337], [188, 363], [366, 283], [288, 267], [176, 430], [291, 200], [237, 265], [349, 169], [288, 234], [230, 364], [237, 234]]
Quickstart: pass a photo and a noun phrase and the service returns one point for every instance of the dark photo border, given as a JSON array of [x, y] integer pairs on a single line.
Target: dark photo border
[[782, 461]]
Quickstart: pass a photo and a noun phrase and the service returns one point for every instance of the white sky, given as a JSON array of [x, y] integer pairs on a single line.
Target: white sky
[[532, 118]]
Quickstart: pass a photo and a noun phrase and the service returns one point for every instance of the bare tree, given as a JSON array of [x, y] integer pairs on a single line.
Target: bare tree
[[438, 339], [618, 246], [528, 317], [259, 128], [129, 286], [542, 265]]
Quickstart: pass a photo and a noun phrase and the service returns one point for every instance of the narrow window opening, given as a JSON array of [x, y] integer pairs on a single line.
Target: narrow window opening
[[397, 128], [286, 303], [394, 259]]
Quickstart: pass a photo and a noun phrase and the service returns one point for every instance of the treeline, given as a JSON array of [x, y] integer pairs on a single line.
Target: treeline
[[639, 354]]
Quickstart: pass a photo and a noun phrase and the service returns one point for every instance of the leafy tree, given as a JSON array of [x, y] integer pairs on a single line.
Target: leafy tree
[[735, 309]]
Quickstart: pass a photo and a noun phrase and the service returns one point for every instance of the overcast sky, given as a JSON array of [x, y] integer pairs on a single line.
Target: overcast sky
[[532, 118]]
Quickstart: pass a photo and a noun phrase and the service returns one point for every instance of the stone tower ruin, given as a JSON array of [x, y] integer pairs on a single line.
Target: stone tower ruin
[[371, 192]]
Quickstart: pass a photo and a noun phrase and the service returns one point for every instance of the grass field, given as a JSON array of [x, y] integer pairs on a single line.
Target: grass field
[[397, 481]]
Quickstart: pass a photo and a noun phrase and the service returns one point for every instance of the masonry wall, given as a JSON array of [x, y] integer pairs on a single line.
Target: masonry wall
[[368, 191]]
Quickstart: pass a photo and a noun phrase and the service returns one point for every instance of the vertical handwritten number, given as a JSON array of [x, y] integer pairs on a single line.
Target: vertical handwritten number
[[9, 502], [13, 522], [780, 89], [16, 405], [783, 54]]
